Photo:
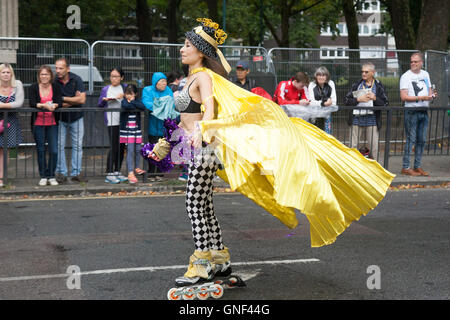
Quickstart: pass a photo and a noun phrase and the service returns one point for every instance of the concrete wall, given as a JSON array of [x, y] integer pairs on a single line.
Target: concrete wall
[[9, 27]]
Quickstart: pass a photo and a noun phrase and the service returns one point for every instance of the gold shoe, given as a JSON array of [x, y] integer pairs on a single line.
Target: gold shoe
[[221, 261]]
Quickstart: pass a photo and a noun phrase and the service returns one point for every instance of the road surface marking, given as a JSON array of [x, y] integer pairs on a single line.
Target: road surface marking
[[151, 269]]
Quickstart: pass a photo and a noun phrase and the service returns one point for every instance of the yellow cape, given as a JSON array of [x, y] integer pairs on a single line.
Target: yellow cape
[[285, 163]]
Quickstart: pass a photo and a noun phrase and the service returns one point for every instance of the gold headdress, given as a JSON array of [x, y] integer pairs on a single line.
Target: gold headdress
[[213, 36]]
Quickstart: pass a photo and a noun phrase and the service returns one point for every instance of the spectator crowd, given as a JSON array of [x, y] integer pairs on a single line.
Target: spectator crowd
[[65, 90]]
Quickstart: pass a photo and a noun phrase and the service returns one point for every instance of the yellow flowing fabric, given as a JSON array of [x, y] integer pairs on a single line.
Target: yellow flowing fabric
[[285, 163]]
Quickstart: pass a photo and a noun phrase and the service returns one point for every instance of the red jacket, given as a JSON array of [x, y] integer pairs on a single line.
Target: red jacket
[[286, 93]]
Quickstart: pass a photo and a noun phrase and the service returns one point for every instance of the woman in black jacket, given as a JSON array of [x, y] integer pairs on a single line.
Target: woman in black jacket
[[45, 96]]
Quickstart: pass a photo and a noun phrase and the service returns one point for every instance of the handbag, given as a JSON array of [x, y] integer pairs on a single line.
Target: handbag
[[2, 125], [2, 121]]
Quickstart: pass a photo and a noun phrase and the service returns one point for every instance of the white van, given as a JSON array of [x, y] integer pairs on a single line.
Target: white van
[[83, 72]]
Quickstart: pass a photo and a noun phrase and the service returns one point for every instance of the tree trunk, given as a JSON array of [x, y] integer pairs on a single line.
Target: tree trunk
[[353, 38], [285, 15], [172, 33], [145, 34], [144, 21], [403, 30], [172, 26], [213, 12], [433, 26]]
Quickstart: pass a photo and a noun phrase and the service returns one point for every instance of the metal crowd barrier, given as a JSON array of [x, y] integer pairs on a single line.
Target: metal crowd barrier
[[96, 143], [140, 60]]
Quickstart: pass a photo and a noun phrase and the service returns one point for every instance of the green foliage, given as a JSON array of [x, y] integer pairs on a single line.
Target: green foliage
[[243, 19], [48, 18]]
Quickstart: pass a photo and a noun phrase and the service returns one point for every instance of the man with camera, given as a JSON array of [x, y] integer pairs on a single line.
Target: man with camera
[[367, 92]]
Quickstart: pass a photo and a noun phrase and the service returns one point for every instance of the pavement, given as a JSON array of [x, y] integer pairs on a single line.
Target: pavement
[[437, 166]]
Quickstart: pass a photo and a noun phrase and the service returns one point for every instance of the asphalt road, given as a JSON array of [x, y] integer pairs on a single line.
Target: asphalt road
[[133, 248]]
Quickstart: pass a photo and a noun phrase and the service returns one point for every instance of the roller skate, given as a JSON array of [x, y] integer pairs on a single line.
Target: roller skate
[[204, 290], [203, 267]]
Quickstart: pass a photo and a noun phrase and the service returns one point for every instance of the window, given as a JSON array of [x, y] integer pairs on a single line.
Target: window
[[45, 51], [365, 29], [371, 6], [128, 53], [334, 53]]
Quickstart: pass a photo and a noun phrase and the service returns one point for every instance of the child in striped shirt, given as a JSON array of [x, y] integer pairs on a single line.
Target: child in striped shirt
[[130, 130]]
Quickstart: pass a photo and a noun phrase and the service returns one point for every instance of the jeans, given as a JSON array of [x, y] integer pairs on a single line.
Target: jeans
[[416, 124], [76, 130], [133, 156], [49, 134]]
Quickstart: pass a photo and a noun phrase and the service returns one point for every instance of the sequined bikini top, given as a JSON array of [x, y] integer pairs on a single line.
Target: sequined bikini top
[[185, 104]]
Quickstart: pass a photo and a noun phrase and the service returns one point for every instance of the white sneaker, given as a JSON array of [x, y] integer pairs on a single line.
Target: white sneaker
[[43, 182], [120, 176], [112, 179], [53, 182]]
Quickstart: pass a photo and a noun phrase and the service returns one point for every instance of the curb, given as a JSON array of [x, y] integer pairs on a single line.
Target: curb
[[93, 190], [77, 190]]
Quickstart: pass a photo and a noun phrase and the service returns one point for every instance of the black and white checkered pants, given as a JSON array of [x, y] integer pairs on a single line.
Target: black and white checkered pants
[[199, 202]]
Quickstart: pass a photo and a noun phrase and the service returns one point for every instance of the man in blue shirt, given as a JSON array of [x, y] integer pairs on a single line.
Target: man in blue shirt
[[74, 96]]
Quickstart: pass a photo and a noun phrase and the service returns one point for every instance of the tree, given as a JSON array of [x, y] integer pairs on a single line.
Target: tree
[[96, 18], [349, 10], [144, 21], [172, 24], [286, 9], [213, 12], [402, 24], [433, 26]]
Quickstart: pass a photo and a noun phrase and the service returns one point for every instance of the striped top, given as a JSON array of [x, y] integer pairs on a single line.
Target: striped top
[[132, 132]]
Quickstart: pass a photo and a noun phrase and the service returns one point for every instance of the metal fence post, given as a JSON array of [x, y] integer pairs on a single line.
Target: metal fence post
[[5, 148], [387, 139]]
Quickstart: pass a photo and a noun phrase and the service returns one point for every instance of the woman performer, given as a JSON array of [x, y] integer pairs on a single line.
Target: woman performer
[[280, 163]]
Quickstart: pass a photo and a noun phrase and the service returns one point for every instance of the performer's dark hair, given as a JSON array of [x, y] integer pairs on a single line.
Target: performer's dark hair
[[215, 66]]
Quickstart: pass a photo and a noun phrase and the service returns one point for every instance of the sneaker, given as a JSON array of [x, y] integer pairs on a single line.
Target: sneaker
[[159, 178], [112, 179], [183, 177], [43, 182], [79, 178], [60, 178], [132, 178], [53, 182], [120, 176], [139, 171]]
